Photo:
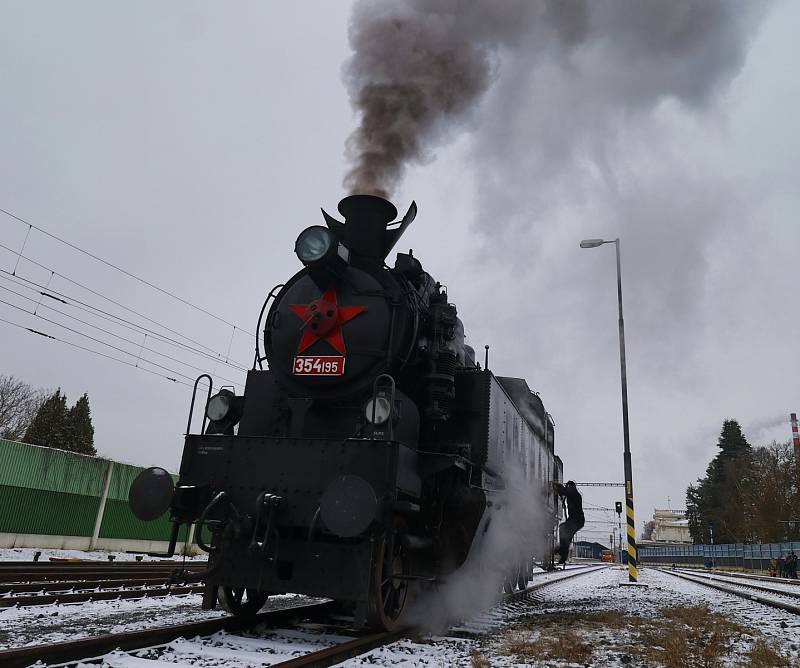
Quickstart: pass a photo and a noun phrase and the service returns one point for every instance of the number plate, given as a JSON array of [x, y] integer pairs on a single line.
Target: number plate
[[315, 365]]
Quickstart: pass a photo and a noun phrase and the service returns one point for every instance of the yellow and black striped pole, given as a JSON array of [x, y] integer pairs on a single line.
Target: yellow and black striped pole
[[633, 573], [632, 561]]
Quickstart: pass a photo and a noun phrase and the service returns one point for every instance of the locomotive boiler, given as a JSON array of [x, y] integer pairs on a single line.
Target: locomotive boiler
[[369, 454]]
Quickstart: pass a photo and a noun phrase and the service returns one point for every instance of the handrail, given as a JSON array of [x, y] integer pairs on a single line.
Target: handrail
[[258, 359], [191, 407]]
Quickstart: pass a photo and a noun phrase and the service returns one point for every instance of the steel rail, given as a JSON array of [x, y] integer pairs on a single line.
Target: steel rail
[[84, 563], [743, 576], [571, 573], [346, 650], [95, 647], [93, 572], [56, 586], [330, 656], [743, 583], [85, 597], [758, 598]]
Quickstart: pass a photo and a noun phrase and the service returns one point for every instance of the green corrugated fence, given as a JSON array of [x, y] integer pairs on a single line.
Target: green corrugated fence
[[52, 492], [118, 521]]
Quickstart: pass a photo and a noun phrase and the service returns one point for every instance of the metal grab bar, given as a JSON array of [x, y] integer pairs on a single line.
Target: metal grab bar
[[191, 407]]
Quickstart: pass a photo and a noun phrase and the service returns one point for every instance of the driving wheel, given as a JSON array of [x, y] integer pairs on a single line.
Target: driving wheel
[[389, 586], [241, 601]]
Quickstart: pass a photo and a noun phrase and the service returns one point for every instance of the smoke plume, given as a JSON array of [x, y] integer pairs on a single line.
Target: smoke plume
[[421, 67], [418, 69]]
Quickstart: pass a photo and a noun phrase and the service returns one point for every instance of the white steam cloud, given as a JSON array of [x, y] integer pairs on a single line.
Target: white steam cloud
[[519, 526]]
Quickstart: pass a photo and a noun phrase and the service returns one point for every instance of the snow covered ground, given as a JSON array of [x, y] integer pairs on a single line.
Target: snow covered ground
[[226, 650], [27, 553], [588, 620], [45, 624], [592, 621]]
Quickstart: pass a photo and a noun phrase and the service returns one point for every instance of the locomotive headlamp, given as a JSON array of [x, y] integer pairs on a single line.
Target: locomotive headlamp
[[314, 244], [377, 410], [219, 405]]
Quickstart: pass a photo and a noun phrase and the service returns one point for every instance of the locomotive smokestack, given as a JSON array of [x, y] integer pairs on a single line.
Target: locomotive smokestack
[[368, 230], [366, 218]]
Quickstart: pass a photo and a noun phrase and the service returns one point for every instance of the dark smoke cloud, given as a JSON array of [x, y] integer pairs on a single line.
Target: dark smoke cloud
[[417, 72], [420, 68]]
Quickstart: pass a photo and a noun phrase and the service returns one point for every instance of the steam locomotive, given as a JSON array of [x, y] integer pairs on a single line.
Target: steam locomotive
[[373, 453]]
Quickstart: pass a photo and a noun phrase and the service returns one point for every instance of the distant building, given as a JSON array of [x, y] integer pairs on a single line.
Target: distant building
[[588, 550], [671, 526]]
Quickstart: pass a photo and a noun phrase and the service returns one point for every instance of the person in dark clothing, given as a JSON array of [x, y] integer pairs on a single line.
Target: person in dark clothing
[[575, 519]]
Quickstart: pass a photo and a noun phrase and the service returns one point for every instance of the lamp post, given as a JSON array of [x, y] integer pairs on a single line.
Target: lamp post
[[633, 574]]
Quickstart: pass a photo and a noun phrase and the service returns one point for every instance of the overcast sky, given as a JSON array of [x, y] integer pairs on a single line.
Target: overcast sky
[[189, 143]]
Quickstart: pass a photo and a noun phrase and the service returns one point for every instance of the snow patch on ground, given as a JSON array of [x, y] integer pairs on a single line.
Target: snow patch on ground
[[604, 619], [46, 624], [27, 554], [599, 592]]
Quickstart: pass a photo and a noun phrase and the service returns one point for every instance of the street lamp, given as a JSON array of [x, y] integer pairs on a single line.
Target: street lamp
[[632, 554]]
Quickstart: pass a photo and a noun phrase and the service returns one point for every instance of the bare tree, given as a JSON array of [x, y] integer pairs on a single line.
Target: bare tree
[[772, 494], [19, 403]]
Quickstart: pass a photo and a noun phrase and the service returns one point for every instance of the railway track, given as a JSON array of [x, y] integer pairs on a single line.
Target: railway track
[[787, 587], [27, 571], [65, 597], [24, 584], [87, 649], [744, 576], [318, 643], [773, 597]]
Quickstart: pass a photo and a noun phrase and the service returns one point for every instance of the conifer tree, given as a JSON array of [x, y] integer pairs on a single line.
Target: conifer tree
[[721, 498], [80, 429], [49, 425]]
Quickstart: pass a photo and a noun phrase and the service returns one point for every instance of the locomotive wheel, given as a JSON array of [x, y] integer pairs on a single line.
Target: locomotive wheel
[[240, 601], [389, 594]]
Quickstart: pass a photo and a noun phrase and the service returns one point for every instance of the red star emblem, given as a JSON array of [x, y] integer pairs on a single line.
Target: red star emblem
[[323, 319]]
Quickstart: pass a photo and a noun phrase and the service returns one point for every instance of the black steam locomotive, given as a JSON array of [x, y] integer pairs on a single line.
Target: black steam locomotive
[[371, 454]]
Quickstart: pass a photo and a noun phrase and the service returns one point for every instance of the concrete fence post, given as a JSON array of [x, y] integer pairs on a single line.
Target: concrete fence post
[[102, 508], [187, 548]]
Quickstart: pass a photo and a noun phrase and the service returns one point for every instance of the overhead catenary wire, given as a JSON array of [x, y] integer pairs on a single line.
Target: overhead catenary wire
[[45, 291], [95, 352], [140, 344], [96, 340], [123, 323], [121, 270], [102, 296], [218, 355]]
